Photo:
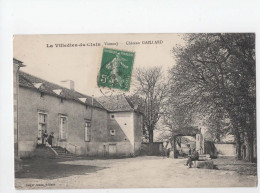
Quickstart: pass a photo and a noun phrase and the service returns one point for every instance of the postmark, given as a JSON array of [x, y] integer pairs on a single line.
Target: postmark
[[116, 69]]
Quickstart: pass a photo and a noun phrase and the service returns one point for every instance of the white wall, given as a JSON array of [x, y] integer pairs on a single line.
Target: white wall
[[126, 121], [226, 149]]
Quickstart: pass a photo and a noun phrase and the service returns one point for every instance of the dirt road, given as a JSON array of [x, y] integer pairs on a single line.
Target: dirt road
[[140, 172]]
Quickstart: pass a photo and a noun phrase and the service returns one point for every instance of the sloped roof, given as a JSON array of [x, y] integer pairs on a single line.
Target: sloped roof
[[115, 103], [20, 63], [28, 80]]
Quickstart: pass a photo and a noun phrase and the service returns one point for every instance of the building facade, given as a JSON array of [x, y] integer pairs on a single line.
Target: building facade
[[125, 123], [16, 66], [81, 124]]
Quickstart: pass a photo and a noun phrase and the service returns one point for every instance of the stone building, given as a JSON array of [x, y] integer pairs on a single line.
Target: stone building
[[81, 124], [125, 123], [16, 67]]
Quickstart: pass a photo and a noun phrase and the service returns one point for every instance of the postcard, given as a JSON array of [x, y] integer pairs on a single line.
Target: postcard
[[134, 110]]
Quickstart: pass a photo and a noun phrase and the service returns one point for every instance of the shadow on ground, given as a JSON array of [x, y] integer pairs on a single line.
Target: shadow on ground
[[52, 169], [240, 166]]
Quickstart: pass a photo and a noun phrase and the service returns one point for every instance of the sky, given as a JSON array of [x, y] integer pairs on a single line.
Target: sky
[[81, 64]]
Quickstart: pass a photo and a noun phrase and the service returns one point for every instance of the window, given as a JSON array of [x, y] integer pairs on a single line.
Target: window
[[42, 94], [42, 118], [112, 132], [42, 124], [112, 116], [61, 100], [87, 130], [63, 127]]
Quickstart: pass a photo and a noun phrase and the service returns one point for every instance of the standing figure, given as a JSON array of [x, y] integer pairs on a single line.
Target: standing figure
[[189, 153], [168, 152], [44, 137], [113, 66], [50, 138]]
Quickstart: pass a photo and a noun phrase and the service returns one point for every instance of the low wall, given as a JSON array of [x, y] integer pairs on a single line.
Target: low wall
[[137, 148], [155, 148], [226, 149], [26, 148]]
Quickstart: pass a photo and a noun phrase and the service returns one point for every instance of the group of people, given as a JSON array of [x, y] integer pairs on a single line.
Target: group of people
[[47, 139]]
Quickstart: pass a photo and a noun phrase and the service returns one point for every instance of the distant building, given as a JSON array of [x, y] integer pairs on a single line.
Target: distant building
[[108, 126]]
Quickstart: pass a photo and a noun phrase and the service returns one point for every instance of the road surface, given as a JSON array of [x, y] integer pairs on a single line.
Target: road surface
[[139, 172]]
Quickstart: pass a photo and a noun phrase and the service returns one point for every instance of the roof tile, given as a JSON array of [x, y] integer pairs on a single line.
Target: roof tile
[[47, 87], [115, 103]]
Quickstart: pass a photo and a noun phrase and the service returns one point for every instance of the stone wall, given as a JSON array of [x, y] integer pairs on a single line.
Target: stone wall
[[154, 148], [15, 100], [31, 102], [127, 126], [226, 149], [122, 124]]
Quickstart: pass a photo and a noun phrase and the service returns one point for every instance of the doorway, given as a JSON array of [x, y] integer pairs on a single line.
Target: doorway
[[42, 126], [112, 149]]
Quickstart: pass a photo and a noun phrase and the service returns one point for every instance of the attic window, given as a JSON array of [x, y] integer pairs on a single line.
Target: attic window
[[37, 85], [112, 116], [112, 132], [57, 91], [83, 100]]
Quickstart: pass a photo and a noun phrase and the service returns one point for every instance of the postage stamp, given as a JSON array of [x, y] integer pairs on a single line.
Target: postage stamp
[[116, 69]]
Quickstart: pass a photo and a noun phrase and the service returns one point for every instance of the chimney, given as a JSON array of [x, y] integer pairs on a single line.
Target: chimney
[[68, 84]]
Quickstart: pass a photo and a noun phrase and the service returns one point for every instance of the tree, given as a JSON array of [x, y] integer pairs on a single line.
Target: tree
[[151, 89], [217, 71], [218, 125]]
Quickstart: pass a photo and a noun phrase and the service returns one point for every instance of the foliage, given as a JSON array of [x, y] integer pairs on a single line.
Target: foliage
[[151, 90], [217, 71]]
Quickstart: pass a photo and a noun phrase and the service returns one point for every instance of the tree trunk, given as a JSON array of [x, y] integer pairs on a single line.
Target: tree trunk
[[238, 145], [174, 147], [251, 147], [151, 136], [251, 136], [236, 131]]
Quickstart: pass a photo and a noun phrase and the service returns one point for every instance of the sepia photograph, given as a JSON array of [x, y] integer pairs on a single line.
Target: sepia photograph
[[162, 110]]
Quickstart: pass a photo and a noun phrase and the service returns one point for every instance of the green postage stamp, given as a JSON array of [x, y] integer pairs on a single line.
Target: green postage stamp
[[116, 69]]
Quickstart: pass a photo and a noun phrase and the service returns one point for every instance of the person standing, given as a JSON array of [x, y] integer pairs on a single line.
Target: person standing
[[44, 137], [189, 153], [50, 138]]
